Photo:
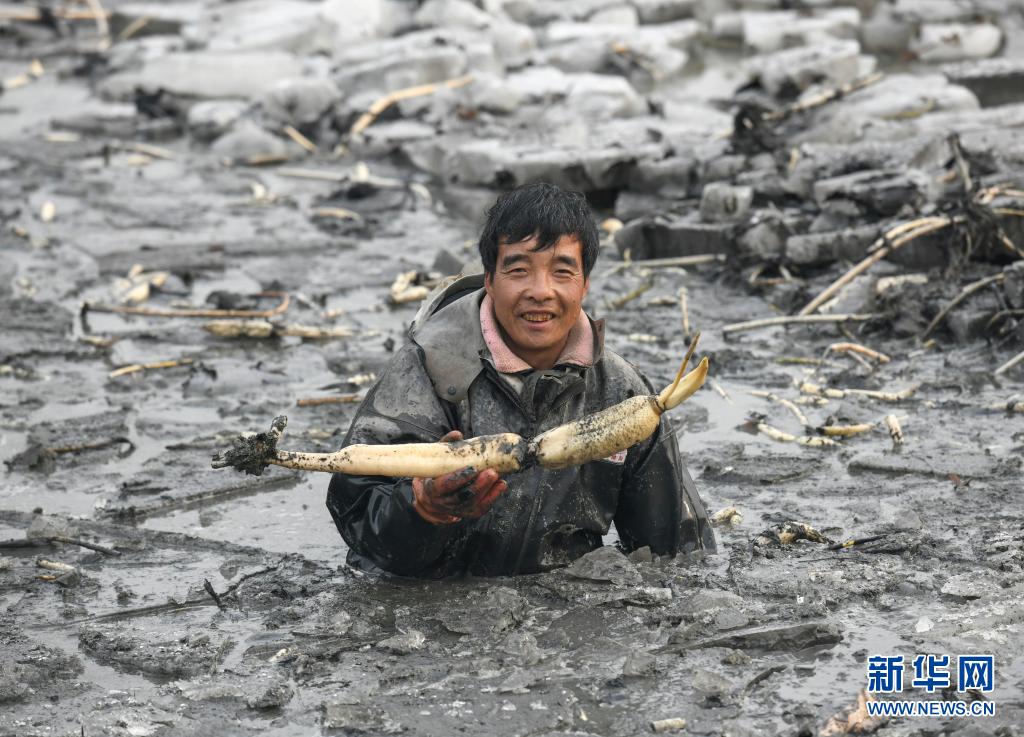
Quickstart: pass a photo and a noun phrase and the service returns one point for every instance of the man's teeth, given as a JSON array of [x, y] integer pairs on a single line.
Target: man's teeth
[[537, 318]]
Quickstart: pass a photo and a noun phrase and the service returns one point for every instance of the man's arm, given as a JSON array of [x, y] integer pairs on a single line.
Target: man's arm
[[658, 504], [374, 514]]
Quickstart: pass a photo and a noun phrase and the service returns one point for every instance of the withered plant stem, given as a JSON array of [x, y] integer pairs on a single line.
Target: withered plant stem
[[282, 306], [739, 327], [964, 294]]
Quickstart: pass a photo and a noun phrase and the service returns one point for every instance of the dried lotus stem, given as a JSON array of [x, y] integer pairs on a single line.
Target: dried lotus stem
[[264, 329], [331, 399], [807, 387], [240, 328], [845, 431], [137, 367], [792, 531], [293, 133], [728, 516], [797, 412], [678, 261], [284, 298], [885, 245], [679, 374], [964, 294], [895, 430], [1011, 405], [313, 332], [858, 348], [380, 105], [768, 322], [1009, 364], [721, 391], [685, 309], [784, 437], [54, 565], [630, 296]]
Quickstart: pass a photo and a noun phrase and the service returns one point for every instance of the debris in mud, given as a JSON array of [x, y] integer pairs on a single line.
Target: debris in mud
[[756, 422], [187, 655], [924, 463], [859, 542], [970, 586], [895, 429], [605, 564], [65, 576], [727, 516], [855, 720], [403, 643], [639, 665], [150, 366], [80, 437], [250, 453], [769, 322], [672, 724], [274, 696], [789, 532], [358, 718], [495, 609], [34, 327], [170, 482], [780, 637], [813, 389], [284, 300], [30, 668], [264, 329], [331, 399], [138, 285], [412, 286]]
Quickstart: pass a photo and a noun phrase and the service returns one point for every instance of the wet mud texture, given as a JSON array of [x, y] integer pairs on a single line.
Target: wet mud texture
[[158, 174]]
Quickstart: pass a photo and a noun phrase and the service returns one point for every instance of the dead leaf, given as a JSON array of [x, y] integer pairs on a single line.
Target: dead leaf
[[855, 720], [959, 482]]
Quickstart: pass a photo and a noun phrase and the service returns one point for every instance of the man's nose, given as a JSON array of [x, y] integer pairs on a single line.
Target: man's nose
[[541, 286]]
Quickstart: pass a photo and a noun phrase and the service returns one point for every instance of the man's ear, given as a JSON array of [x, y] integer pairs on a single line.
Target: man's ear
[[488, 282]]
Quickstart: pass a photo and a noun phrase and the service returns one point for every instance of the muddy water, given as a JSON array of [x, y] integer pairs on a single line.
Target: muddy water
[[137, 647]]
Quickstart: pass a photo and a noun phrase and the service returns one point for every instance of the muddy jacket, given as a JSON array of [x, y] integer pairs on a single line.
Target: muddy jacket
[[443, 380]]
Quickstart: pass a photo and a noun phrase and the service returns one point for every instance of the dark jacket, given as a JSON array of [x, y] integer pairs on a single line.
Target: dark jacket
[[444, 380]]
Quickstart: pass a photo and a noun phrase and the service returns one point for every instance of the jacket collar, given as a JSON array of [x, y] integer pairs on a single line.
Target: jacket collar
[[452, 341]]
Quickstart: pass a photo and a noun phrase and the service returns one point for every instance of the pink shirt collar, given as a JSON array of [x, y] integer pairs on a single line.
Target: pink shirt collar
[[579, 348]]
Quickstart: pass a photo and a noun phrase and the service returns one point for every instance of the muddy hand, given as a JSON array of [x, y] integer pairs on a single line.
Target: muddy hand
[[461, 494]]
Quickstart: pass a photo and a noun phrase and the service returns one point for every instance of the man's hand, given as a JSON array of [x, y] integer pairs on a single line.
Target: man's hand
[[462, 494]]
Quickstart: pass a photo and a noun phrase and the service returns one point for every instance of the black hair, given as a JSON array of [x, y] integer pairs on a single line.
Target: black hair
[[542, 210]]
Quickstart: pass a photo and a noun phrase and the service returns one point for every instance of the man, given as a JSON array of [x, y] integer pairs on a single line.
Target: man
[[521, 356]]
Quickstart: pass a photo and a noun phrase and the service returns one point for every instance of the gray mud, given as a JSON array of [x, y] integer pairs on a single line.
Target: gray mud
[[764, 638]]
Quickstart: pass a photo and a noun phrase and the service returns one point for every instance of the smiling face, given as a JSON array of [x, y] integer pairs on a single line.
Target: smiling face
[[537, 297]]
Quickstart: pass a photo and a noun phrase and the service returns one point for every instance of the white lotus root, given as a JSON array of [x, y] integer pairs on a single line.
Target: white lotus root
[[588, 439]]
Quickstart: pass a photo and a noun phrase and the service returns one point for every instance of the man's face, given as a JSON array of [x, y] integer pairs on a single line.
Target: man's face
[[537, 296]]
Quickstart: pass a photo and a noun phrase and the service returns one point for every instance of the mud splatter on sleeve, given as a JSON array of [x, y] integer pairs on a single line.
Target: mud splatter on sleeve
[[374, 514], [659, 505]]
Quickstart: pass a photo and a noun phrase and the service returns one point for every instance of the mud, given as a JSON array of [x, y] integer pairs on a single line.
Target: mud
[[764, 638]]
